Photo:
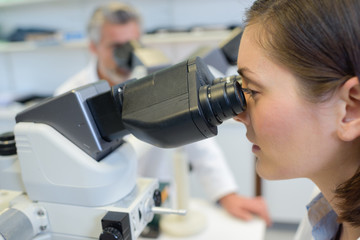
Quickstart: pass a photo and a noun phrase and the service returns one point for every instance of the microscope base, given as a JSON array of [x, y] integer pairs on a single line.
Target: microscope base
[[72, 222]]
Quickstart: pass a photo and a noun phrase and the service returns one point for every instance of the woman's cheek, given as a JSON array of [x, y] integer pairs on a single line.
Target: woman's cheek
[[272, 118]]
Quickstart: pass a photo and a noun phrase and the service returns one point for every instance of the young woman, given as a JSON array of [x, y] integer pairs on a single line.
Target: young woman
[[300, 65]]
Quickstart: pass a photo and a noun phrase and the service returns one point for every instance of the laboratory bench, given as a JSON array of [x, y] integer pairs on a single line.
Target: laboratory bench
[[220, 225]]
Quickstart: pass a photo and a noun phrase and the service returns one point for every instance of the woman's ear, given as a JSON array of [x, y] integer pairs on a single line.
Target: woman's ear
[[349, 126]]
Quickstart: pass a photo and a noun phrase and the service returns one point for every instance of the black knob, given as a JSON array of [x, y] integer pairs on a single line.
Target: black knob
[[111, 233], [157, 197], [7, 144]]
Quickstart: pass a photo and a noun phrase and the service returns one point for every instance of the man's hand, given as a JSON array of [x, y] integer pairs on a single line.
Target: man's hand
[[244, 207]]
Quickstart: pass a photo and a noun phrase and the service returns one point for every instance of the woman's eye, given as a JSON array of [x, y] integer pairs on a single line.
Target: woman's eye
[[249, 91]]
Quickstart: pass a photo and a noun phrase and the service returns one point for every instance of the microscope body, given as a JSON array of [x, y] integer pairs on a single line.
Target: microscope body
[[76, 176], [73, 191]]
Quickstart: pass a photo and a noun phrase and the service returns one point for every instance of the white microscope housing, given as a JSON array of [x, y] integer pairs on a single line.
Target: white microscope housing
[[74, 177]]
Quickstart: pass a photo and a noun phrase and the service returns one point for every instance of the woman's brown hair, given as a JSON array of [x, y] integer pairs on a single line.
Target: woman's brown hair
[[319, 42]]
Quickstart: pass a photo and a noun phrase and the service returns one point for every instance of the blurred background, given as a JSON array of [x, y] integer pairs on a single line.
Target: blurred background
[[43, 43], [56, 40]]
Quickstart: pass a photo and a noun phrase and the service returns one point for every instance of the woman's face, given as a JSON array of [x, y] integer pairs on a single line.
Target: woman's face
[[291, 137]]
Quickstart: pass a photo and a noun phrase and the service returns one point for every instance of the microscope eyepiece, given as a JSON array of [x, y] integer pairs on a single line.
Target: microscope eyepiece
[[222, 100], [123, 56]]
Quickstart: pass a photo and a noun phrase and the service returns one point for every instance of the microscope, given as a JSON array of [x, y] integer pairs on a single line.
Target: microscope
[[74, 175], [133, 56]]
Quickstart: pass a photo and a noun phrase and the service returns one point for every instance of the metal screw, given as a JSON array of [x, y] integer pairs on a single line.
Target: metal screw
[[40, 213], [43, 228]]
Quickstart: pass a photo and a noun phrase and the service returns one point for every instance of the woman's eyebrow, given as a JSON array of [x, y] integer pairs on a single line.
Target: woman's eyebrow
[[243, 73], [242, 70]]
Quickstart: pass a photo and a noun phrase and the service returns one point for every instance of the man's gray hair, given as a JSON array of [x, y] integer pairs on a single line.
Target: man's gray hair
[[118, 13]]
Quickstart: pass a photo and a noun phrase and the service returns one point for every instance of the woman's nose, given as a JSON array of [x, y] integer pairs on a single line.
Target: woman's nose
[[242, 117]]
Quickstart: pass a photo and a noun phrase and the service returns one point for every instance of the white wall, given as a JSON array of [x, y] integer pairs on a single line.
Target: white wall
[[72, 15]]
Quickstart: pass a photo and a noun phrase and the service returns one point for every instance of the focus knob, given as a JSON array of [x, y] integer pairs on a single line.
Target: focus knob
[[111, 233], [157, 197], [7, 144]]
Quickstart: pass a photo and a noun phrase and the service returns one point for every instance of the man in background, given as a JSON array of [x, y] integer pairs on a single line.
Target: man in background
[[109, 27], [116, 24]]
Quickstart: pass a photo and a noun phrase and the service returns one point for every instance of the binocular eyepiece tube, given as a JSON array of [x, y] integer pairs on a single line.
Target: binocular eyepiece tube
[[222, 99]]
